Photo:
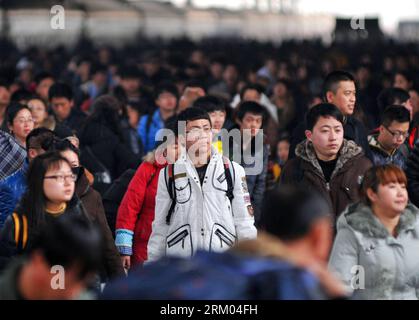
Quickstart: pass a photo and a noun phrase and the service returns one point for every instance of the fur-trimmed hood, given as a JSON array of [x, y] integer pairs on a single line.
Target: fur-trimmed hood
[[349, 150], [360, 217]]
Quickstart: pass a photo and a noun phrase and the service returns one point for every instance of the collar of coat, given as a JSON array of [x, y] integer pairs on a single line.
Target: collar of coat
[[376, 146], [361, 218], [349, 149], [184, 157]]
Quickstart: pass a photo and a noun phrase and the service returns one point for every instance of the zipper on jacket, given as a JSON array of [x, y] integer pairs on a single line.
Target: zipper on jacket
[[328, 186], [180, 237], [223, 238]]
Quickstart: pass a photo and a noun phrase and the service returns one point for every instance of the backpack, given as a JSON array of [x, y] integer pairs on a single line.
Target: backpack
[[21, 231], [170, 169]]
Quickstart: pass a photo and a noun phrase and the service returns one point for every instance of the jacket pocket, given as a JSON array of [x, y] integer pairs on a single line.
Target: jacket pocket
[[183, 191], [179, 242], [221, 238]]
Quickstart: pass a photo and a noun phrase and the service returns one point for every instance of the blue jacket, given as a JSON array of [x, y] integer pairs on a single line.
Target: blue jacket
[[147, 135], [216, 276], [11, 190], [381, 157], [256, 183]]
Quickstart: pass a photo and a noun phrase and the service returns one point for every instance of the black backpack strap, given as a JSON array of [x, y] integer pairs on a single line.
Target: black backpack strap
[[172, 191], [227, 172]]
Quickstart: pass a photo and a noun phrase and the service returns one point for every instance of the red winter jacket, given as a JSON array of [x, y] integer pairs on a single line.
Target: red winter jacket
[[136, 213]]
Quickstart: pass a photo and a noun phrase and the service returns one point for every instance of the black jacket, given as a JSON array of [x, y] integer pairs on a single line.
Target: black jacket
[[74, 120], [92, 203], [7, 234], [102, 149], [353, 130], [412, 173], [113, 197]]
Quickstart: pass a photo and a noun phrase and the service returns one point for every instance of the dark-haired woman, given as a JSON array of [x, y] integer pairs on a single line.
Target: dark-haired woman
[[19, 122], [92, 203], [50, 194], [376, 248]]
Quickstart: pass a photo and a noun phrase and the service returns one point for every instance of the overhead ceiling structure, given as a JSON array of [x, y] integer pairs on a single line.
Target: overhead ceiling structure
[[117, 22]]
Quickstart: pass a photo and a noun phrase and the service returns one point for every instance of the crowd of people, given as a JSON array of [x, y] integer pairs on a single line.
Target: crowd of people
[[299, 162]]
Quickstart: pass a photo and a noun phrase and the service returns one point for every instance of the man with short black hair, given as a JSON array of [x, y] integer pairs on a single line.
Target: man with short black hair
[[386, 145], [325, 161], [250, 117], [202, 199], [44, 81], [339, 89], [61, 99], [166, 100]]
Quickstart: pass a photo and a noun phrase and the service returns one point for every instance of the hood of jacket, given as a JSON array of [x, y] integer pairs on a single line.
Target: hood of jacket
[[349, 150], [360, 217]]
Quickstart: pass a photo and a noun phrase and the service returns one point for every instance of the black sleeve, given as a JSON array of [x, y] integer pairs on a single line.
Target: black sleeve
[[412, 172], [297, 136]]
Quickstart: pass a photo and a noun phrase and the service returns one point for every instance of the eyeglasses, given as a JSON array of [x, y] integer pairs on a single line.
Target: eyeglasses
[[23, 121], [61, 178], [398, 134], [195, 133]]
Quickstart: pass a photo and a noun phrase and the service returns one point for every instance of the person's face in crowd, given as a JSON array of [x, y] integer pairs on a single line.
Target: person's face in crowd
[[61, 107], [217, 119], [39, 271], [252, 122], [390, 198], [22, 125], [59, 184], [401, 82], [34, 152], [344, 98], [409, 106], [414, 99], [327, 138], [280, 90], [189, 95], [172, 152], [198, 137], [216, 70], [230, 75], [131, 85], [71, 157], [38, 110], [43, 87], [393, 136], [133, 117], [166, 101], [4, 98], [26, 76], [83, 70], [100, 78], [251, 95], [283, 149]]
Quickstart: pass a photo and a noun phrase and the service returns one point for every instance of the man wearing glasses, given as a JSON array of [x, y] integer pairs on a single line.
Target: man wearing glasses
[[388, 145], [202, 200]]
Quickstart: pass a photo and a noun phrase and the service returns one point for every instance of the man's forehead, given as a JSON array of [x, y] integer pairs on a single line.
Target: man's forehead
[[397, 124], [328, 121], [346, 85], [198, 123], [252, 115]]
